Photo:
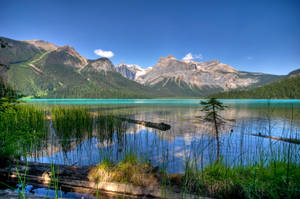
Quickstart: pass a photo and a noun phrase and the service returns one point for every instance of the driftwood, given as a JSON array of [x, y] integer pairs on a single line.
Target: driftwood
[[160, 126], [75, 179], [290, 140]]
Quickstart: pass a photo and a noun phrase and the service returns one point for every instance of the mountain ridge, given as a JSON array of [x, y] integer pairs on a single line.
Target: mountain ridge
[[42, 69], [197, 78], [286, 88]]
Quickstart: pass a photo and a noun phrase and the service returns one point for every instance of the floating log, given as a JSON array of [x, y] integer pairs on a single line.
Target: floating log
[[290, 140], [160, 126], [75, 179]]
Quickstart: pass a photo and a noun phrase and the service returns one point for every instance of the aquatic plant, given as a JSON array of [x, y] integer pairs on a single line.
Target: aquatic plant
[[71, 122], [20, 127], [129, 170]]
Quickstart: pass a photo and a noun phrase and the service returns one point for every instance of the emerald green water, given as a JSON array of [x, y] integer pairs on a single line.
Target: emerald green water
[[188, 139], [262, 102]]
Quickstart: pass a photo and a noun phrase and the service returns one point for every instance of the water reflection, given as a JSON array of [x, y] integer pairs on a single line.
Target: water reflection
[[188, 139]]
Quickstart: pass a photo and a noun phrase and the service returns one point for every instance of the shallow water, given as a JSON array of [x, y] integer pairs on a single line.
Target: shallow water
[[188, 139]]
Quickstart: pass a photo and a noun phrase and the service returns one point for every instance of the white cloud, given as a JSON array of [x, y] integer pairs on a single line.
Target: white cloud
[[102, 53], [249, 58], [190, 57]]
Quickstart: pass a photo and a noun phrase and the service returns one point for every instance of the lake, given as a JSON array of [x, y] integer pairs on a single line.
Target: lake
[[190, 139]]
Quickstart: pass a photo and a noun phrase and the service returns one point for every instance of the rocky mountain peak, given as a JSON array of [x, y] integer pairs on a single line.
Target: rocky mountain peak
[[66, 55], [68, 49], [102, 64], [294, 73], [130, 71], [42, 44], [194, 74], [213, 62], [71, 51], [216, 65], [166, 59]]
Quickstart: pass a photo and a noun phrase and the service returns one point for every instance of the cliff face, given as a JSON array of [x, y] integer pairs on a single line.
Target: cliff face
[[102, 64], [189, 78], [67, 56], [199, 74], [132, 72]]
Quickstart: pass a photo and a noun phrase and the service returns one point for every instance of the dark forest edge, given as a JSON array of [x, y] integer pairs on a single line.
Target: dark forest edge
[[288, 88]]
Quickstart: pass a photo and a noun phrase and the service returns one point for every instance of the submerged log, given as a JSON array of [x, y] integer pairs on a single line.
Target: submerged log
[[290, 140], [160, 126], [75, 179]]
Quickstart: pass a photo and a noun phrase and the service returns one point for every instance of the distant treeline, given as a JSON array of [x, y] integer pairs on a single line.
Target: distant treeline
[[6, 90], [288, 88]]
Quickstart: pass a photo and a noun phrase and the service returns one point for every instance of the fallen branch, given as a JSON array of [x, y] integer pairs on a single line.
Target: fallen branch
[[290, 140], [160, 126]]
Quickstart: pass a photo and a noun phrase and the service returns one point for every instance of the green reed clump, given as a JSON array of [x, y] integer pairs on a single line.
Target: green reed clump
[[21, 126], [107, 125], [71, 122], [251, 181], [190, 182], [129, 170]]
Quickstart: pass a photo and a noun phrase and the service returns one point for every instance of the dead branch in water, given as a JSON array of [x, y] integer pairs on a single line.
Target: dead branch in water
[[290, 140], [160, 126]]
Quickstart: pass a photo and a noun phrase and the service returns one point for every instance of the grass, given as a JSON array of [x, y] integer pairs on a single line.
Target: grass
[[129, 170], [274, 172], [21, 127], [70, 122], [251, 181], [259, 180]]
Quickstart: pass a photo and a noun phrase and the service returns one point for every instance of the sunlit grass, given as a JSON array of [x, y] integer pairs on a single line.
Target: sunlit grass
[[129, 170]]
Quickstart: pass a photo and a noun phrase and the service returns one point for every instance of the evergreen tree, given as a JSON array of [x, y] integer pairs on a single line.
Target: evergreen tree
[[212, 109]]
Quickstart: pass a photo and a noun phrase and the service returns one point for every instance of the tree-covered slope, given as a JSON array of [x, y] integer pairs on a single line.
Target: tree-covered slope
[[60, 72], [287, 88], [17, 51], [39, 69]]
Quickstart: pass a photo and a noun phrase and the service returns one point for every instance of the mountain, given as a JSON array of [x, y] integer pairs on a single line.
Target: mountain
[[189, 79], [44, 45], [132, 72], [294, 73], [6, 90], [102, 64], [40, 69], [286, 88]]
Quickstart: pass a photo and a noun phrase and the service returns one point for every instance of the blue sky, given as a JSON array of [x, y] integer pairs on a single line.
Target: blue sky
[[261, 36]]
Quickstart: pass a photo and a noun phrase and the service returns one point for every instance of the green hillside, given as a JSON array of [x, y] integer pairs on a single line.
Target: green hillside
[[6, 90], [53, 74], [44, 70], [288, 88], [17, 52]]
